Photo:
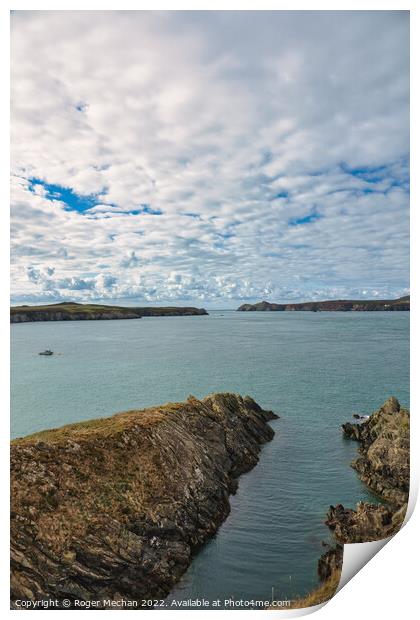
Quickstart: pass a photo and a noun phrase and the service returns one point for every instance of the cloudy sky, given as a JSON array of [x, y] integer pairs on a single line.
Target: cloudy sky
[[210, 157]]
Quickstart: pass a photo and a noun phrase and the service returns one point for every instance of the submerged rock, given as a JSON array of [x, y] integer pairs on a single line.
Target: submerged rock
[[115, 507]]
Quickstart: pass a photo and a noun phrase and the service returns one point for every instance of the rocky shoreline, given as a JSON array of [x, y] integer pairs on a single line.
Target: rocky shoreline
[[114, 508], [383, 465]]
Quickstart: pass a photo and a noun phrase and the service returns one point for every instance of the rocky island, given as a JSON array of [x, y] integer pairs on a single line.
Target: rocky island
[[84, 312], [337, 305], [116, 507], [383, 465]]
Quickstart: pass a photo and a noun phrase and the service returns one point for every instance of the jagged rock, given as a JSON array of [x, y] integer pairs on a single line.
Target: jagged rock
[[390, 406], [384, 466], [384, 461], [329, 562], [352, 431], [368, 522], [116, 506]]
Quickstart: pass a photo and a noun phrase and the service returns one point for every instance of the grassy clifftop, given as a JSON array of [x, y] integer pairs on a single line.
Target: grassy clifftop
[[74, 311], [116, 506]]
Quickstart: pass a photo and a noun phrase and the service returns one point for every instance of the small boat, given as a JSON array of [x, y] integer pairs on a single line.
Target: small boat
[[46, 352]]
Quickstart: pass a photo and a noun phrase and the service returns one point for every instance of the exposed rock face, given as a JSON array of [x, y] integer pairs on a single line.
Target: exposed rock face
[[384, 466], [330, 562], [335, 305], [58, 315], [368, 522], [115, 507], [384, 461]]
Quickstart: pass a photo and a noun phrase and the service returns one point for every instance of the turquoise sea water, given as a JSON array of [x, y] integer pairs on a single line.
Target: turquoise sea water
[[313, 369]]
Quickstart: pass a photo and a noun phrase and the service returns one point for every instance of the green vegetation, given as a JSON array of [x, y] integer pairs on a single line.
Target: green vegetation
[[105, 427], [120, 504], [336, 305], [70, 311]]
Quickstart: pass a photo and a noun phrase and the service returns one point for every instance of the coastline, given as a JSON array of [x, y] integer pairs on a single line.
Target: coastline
[[167, 544], [335, 305], [94, 312], [114, 526], [383, 465], [310, 413]]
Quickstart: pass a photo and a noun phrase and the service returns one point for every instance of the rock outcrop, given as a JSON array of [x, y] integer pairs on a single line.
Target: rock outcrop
[[368, 522], [115, 507], [384, 466], [330, 562], [335, 305], [384, 461]]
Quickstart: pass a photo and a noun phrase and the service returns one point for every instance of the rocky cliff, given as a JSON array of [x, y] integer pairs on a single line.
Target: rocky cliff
[[90, 312], [384, 454], [115, 507], [384, 466], [335, 305]]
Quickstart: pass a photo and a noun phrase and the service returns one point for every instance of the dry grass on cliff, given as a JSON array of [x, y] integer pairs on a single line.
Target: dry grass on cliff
[[321, 594], [74, 480], [104, 426], [102, 475]]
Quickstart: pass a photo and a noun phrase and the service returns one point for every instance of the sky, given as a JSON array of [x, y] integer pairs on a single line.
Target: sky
[[209, 158]]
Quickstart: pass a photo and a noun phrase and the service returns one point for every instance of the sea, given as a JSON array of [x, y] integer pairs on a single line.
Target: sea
[[315, 370]]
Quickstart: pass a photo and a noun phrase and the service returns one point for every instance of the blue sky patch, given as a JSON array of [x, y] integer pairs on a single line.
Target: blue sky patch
[[396, 174], [80, 202], [144, 208], [306, 219], [73, 201], [368, 174]]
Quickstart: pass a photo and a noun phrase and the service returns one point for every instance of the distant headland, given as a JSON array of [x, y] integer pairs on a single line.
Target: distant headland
[[337, 305], [82, 312]]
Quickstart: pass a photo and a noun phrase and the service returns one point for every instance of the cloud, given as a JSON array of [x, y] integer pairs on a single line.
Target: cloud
[[131, 261], [240, 155]]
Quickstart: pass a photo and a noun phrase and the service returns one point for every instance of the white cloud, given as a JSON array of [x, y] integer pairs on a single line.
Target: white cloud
[[232, 126]]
